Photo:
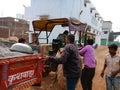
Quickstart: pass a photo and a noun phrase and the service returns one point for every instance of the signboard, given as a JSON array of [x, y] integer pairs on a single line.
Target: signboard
[[25, 73], [76, 27]]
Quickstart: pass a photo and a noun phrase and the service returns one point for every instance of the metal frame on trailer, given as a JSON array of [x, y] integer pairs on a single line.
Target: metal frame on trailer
[[48, 25]]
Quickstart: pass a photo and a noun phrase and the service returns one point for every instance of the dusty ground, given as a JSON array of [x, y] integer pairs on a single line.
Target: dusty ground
[[98, 82]]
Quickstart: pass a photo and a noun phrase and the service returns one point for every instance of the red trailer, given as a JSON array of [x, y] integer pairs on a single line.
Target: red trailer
[[20, 72]]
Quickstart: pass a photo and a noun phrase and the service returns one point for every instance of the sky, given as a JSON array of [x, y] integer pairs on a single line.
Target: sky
[[12, 7], [109, 10]]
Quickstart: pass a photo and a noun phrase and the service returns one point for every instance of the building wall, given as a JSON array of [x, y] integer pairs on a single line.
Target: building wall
[[4, 33], [65, 9], [107, 26], [13, 27], [106, 29]]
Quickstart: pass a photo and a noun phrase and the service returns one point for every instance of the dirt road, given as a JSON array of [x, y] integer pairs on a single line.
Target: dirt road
[[98, 82]]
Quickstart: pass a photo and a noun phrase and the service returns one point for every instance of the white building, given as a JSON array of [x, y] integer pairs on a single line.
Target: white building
[[83, 10], [106, 28]]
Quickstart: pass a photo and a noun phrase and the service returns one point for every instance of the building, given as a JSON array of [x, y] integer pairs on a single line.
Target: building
[[106, 29], [13, 27], [82, 10]]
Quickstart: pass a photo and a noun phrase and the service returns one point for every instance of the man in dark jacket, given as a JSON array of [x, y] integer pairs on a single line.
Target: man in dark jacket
[[71, 62]]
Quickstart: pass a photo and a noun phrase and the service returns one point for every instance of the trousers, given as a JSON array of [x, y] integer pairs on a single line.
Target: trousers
[[87, 77]]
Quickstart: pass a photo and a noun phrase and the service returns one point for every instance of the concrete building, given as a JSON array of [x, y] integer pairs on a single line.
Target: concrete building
[[83, 10], [106, 28]]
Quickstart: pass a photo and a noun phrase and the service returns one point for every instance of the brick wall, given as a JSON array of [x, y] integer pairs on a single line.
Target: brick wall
[[17, 27]]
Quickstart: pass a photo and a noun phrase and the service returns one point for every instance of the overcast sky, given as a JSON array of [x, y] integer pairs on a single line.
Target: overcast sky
[[109, 10], [11, 7]]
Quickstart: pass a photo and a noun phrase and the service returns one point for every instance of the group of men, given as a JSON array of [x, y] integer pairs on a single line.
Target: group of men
[[73, 70], [72, 67]]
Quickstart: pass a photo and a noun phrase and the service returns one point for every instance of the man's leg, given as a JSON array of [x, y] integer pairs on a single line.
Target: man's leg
[[84, 79], [116, 83], [71, 82], [108, 83], [90, 78]]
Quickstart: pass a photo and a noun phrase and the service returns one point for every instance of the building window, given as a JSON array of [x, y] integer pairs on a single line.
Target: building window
[[91, 9], [96, 14], [85, 2], [80, 12], [105, 32], [93, 31]]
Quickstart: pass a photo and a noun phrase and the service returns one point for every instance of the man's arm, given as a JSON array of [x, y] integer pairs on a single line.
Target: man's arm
[[102, 73]]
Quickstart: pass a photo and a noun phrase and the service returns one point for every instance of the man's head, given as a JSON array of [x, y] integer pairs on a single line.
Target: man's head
[[65, 32], [113, 46], [90, 41], [21, 40], [70, 38], [112, 49]]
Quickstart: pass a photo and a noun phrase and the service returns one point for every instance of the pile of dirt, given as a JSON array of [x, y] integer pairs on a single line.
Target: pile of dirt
[[13, 38]]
